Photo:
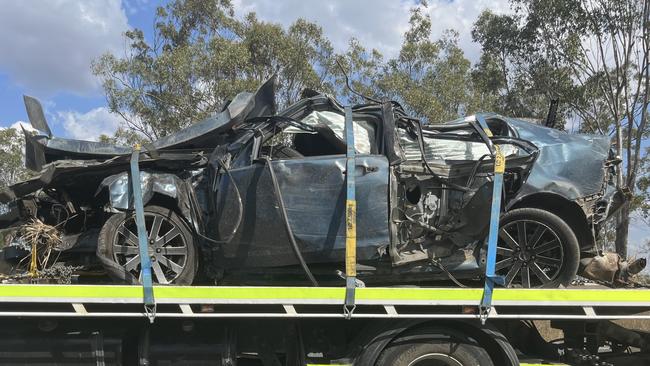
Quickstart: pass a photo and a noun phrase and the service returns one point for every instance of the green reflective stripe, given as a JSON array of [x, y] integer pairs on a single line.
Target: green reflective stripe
[[572, 295], [508, 295], [376, 295], [419, 294], [72, 291], [250, 293]]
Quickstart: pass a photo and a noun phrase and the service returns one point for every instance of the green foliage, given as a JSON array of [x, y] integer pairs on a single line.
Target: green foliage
[[12, 168], [201, 56], [363, 69], [432, 79], [641, 200], [521, 82]]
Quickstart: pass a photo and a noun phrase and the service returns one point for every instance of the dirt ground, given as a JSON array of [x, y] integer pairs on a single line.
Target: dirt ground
[[549, 334]]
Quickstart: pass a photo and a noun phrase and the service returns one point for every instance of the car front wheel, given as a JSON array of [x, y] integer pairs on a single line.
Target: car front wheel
[[170, 245], [536, 249]]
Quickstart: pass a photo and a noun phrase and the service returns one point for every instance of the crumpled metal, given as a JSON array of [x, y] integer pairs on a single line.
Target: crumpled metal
[[611, 268], [119, 188]]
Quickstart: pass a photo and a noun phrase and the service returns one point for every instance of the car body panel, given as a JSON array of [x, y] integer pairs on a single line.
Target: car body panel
[[571, 165], [313, 190]]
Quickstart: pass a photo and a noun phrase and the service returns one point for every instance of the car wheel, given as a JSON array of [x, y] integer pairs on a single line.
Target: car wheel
[[536, 249], [170, 245], [437, 350]]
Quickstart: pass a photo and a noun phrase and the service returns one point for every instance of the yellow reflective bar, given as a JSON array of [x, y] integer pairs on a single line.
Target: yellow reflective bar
[[369, 294]]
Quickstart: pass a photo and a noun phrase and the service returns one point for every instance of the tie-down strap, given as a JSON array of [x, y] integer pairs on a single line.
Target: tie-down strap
[[491, 278], [350, 217], [145, 259]]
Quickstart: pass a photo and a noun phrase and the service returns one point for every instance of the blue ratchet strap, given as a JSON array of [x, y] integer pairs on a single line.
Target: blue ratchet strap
[[491, 278], [145, 260], [350, 218]]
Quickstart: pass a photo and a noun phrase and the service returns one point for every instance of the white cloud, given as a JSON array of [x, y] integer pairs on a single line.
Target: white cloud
[[88, 126], [25, 125], [377, 24], [461, 15], [48, 46]]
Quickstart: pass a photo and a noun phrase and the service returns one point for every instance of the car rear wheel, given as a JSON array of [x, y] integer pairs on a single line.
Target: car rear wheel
[[536, 249], [170, 245]]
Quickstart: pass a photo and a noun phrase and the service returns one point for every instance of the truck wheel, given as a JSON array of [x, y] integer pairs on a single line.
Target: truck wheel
[[171, 245], [536, 249], [434, 349]]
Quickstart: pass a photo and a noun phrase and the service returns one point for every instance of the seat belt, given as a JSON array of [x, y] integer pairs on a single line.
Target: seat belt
[[491, 278], [145, 260], [350, 218]]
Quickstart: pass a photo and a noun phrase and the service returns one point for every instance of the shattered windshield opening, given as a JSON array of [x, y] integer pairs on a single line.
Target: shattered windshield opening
[[324, 137]]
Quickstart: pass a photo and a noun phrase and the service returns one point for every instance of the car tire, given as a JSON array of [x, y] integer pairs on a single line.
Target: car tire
[[173, 252], [536, 249], [434, 347]]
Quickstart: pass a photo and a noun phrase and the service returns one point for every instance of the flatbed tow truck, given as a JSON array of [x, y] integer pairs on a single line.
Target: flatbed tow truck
[[106, 325], [46, 324]]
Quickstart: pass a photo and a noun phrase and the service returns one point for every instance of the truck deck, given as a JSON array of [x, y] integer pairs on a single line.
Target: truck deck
[[199, 325], [322, 302]]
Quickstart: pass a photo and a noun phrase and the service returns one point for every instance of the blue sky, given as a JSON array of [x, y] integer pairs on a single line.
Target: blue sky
[[46, 47]]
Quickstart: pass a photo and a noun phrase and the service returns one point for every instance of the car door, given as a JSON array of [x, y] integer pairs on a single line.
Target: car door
[[313, 190]]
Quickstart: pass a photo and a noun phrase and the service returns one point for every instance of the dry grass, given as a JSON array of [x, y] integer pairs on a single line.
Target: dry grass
[[42, 239]]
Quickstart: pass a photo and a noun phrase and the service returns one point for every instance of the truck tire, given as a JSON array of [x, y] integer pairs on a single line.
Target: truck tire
[[536, 248], [172, 250], [434, 347]]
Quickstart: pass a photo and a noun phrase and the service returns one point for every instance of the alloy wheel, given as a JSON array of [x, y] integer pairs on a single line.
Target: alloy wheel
[[529, 254], [167, 248]]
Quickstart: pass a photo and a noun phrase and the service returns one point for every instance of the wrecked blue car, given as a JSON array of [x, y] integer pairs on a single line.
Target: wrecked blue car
[[256, 196]]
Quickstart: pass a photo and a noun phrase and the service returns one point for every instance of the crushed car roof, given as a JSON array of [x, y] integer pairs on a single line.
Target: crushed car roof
[[43, 148]]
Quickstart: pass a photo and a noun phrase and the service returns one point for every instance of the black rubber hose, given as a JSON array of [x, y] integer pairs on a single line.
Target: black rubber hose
[[287, 226], [240, 206], [472, 176]]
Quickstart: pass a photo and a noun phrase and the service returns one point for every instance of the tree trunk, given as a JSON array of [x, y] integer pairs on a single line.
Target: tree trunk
[[622, 230]]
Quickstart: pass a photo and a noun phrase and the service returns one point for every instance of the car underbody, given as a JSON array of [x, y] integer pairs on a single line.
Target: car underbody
[[226, 196]]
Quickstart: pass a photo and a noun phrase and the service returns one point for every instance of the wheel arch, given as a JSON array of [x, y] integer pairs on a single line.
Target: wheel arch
[[158, 188], [377, 337], [567, 210]]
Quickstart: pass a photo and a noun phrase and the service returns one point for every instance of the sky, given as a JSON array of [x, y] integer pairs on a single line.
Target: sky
[[47, 47], [46, 51]]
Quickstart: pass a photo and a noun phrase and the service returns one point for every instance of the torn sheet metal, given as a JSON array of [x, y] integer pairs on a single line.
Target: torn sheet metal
[[120, 193], [571, 165], [43, 148], [166, 184]]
